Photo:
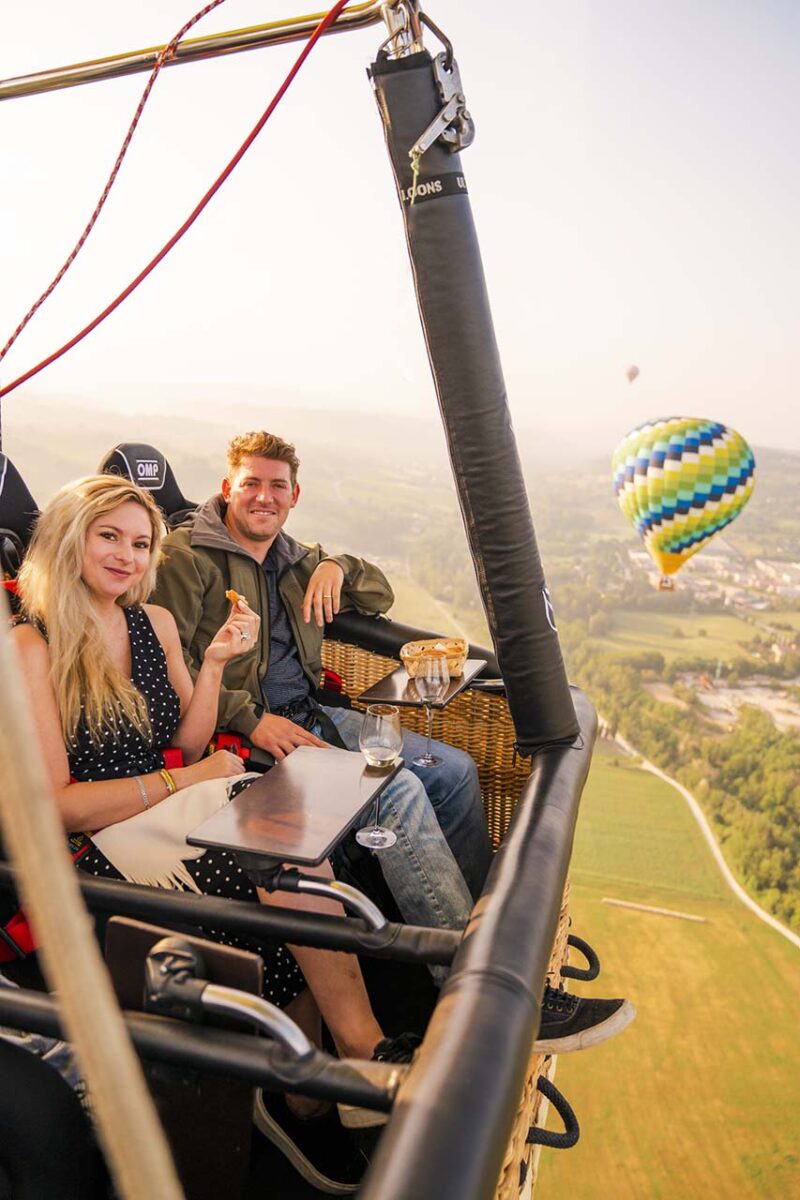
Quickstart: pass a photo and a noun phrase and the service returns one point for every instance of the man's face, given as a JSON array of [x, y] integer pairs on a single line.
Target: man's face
[[259, 495]]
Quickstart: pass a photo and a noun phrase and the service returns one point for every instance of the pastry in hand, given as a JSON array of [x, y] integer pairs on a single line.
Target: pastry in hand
[[234, 597]]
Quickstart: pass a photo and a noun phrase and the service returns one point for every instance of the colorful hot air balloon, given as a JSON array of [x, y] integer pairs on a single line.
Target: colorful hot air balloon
[[680, 480], [632, 373]]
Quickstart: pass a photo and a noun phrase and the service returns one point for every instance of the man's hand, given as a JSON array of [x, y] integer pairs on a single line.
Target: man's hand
[[280, 736], [324, 592]]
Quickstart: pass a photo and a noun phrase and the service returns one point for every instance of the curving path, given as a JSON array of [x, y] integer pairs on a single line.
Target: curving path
[[705, 829]]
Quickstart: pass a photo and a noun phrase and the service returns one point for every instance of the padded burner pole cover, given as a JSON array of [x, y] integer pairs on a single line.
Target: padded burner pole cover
[[457, 323]]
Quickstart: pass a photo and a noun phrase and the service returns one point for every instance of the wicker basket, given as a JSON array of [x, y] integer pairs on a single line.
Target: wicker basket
[[454, 648]]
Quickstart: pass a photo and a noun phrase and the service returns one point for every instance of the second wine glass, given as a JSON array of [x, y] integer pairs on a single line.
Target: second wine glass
[[431, 682]]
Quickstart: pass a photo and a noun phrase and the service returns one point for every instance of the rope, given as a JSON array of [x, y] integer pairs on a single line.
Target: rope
[[324, 24], [166, 53], [546, 1137]]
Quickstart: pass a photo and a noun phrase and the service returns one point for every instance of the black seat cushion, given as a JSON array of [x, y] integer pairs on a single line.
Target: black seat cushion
[[18, 513], [47, 1148], [11, 552], [147, 467]]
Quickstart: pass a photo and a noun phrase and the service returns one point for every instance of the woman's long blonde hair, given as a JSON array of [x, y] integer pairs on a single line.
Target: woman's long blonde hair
[[52, 591]]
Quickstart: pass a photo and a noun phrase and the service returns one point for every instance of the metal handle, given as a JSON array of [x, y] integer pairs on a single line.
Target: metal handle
[[273, 877], [272, 1020], [273, 33], [351, 898], [174, 986]]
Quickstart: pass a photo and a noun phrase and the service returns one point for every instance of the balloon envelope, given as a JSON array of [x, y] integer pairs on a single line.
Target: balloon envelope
[[631, 373], [680, 480]]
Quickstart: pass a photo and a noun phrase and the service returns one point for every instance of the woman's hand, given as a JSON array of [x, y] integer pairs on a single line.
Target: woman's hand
[[324, 592], [219, 765], [236, 636]]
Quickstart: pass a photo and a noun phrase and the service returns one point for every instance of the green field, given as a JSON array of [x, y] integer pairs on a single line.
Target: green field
[[776, 619], [412, 604], [631, 632], [699, 1097]]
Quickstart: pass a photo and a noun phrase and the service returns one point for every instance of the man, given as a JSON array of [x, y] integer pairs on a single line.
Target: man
[[236, 541]]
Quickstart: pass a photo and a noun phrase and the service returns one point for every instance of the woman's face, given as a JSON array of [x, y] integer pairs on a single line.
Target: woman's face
[[117, 551]]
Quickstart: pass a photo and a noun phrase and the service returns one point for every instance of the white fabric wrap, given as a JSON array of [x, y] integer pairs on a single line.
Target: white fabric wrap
[[151, 848]]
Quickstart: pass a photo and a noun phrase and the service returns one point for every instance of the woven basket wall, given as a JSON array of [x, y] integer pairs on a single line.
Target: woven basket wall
[[480, 724], [532, 1100]]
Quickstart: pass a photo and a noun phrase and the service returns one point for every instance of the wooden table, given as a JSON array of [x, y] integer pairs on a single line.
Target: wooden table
[[399, 688], [300, 809]]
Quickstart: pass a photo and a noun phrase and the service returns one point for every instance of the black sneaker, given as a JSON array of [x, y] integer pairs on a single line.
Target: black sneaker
[[318, 1148], [400, 1049], [571, 1023]]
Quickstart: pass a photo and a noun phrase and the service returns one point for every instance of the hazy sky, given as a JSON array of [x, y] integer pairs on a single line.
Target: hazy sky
[[635, 182]]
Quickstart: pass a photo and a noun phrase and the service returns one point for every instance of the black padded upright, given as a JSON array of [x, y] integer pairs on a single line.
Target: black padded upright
[[465, 362], [18, 513], [147, 467]]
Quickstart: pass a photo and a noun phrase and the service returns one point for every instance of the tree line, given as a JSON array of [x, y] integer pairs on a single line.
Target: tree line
[[747, 780]]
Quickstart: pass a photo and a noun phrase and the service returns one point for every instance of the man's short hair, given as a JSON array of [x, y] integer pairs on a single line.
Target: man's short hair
[[260, 444]]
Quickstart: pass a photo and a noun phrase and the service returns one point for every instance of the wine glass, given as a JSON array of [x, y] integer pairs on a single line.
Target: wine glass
[[431, 682], [381, 740]]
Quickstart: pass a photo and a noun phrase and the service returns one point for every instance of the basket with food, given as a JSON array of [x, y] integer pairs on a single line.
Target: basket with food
[[454, 648]]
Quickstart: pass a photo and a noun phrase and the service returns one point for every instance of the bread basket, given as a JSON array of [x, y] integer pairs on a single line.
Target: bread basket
[[454, 648]]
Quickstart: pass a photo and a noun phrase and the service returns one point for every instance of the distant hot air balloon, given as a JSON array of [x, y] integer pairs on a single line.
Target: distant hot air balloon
[[680, 480], [632, 373]]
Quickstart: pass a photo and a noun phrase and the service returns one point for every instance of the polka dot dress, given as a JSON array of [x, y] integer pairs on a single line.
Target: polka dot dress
[[216, 873], [130, 753]]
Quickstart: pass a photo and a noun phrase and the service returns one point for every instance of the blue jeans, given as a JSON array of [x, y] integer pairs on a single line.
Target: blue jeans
[[442, 853]]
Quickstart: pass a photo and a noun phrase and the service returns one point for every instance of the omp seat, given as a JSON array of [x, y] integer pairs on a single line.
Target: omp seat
[[147, 467], [18, 513]]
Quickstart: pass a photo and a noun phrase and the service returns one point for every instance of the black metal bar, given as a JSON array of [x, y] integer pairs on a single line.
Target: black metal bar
[[457, 323], [472, 1064], [401, 943], [217, 1051]]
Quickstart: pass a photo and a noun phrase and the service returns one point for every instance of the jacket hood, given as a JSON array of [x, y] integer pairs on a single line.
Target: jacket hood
[[209, 530]]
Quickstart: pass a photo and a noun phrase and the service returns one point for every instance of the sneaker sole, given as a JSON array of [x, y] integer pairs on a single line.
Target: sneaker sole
[[593, 1036], [271, 1130]]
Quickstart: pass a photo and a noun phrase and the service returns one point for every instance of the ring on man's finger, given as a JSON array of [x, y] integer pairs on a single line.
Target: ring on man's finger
[[245, 636]]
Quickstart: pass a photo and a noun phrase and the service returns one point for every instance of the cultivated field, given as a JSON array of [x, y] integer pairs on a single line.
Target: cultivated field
[[699, 1097], [678, 636]]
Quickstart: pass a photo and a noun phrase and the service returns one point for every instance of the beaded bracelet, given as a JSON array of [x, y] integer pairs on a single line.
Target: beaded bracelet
[[172, 786], [142, 791]]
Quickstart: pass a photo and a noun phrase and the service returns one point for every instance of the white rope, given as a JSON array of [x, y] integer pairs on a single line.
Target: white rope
[[129, 1130]]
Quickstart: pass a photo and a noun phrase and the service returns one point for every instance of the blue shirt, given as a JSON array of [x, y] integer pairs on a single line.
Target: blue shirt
[[285, 680]]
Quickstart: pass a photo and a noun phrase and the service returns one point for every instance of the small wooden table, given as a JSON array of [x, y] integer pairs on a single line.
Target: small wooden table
[[398, 687], [300, 809]]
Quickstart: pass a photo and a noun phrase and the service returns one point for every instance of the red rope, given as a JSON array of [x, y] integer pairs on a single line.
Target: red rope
[[324, 24], [166, 53]]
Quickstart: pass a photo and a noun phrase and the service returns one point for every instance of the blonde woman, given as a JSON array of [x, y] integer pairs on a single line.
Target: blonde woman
[[110, 689]]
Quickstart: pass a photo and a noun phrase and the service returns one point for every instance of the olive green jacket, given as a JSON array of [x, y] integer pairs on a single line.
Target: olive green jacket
[[202, 561]]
